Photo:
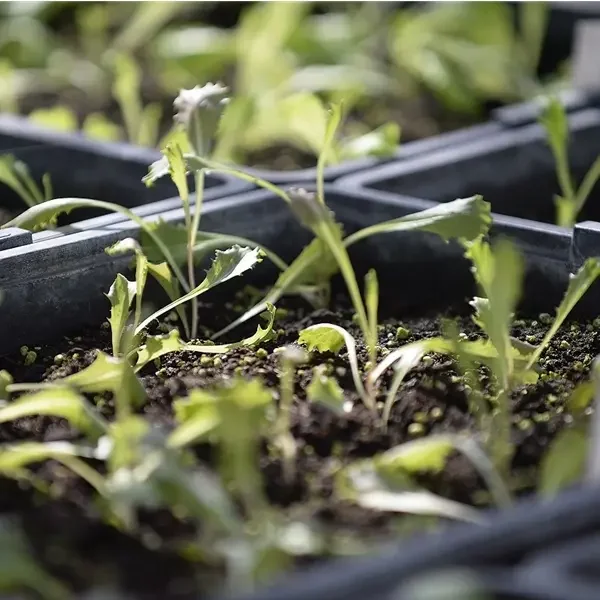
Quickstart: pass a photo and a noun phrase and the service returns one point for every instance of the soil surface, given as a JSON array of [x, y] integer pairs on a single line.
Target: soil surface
[[69, 538]]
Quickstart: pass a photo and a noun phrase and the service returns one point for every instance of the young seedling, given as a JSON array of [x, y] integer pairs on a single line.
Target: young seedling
[[291, 357], [15, 174], [499, 273], [571, 200]]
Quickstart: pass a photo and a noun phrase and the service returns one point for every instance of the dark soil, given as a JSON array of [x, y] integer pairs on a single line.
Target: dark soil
[[69, 538]]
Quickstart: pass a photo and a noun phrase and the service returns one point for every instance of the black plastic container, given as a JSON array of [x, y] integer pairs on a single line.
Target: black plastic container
[[84, 168], [55, 286], [514, 170]]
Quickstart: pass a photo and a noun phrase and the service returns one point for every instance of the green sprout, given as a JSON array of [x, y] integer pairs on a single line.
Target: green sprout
[[571, 200], [15, 174]]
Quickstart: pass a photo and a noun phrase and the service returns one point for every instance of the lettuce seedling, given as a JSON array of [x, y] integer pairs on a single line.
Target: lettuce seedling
[[15, 174], [571, 200], [499, 273]]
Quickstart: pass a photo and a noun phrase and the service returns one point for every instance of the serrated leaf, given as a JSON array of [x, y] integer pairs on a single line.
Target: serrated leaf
[[61, 402], [227, 264], [156, 346], [579, 283], [565, 461], [465, 218], [321, 339], [326, 391], [121, 295], [178, 171]]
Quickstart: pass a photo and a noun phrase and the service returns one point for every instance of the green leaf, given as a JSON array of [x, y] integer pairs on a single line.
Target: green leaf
[[149, 125], [500, 274], [6, 379], [98, 127], [227, 264], [579, 283], [178, 172], [565, 461], [382, 142], [126, 91], [61, 402], [361, 483], [108, 374], [554, 120], [201, 413], [15, 174], [328, 148], [403, 360], [60, 118], [418, 456], [465, 218], [156, 346], [325, 337], [121, 295], [313, 267], [321, 338], [326, 391], [372, 305], [580, 399], [15, 457]]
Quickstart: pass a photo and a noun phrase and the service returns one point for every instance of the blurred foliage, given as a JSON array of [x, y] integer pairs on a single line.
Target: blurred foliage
[[115, 66]]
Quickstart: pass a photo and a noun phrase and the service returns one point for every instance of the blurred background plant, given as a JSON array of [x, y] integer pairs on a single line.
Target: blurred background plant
[[111, 69]]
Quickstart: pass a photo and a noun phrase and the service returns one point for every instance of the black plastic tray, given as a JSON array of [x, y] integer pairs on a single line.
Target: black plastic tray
[[84, 168], [514, 170], [54, 287]]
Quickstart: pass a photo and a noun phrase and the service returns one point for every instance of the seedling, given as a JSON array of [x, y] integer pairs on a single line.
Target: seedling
[[571, 200], [15, 174]]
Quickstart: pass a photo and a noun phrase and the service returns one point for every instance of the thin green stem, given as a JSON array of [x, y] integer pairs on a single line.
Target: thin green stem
[[338, 250], [192, 234]]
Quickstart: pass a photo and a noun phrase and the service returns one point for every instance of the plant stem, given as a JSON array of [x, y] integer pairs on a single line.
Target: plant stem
[[285, 440], [192, 234]]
